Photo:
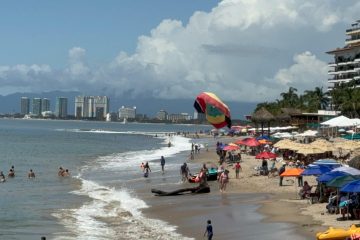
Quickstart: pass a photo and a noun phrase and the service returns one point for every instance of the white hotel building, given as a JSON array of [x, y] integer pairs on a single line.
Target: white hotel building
[[346, 65]]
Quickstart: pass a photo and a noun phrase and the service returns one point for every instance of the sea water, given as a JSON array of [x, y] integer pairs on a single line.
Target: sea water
[[100, 199]]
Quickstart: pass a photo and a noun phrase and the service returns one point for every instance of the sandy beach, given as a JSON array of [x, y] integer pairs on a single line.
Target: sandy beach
[[275, 204]]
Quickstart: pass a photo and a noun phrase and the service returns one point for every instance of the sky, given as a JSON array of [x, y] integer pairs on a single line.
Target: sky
[[241, 50]]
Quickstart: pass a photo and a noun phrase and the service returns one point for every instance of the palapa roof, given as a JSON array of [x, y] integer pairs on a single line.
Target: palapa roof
[[262, 115], [291, 111]]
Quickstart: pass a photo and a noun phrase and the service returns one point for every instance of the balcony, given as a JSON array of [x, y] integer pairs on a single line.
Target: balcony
[[332, 64]]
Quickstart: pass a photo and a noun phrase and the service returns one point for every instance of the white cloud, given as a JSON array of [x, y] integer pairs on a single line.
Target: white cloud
[[307, 71], [235, 50]]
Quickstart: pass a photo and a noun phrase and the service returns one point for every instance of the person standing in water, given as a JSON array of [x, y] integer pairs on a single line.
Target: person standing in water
[[146, 169], [162, 162]]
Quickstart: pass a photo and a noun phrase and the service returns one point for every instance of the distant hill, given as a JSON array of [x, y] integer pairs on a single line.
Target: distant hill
[[149, 106]]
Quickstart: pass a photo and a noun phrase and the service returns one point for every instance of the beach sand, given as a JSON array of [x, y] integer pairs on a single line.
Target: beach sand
[[274, 204]]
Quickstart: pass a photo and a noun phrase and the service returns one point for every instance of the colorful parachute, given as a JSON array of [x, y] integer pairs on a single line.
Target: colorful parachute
[[216, 112]]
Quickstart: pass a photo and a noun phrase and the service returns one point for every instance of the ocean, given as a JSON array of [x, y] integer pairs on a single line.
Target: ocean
[[106, 195]]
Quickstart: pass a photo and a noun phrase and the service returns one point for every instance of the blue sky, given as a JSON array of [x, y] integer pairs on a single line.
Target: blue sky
[[43, 31], [168, 49]]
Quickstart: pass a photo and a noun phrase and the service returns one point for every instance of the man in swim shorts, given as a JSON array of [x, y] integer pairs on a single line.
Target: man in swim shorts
[[31, 174], [162, 162]]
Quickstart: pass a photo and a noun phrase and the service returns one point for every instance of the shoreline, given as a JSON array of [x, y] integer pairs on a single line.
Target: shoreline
[[275, 204]]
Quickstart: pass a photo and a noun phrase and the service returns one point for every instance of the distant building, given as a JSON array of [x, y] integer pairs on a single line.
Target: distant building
[[36, 106], [199, 116], [346, 65], [91, 107], [162, 115], [127, 113], [179, 117], [25, 105], [61, 107], [45, 105]]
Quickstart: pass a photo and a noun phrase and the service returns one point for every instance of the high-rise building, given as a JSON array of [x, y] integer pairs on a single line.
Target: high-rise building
[[45, 105], [346, 65], [127, 113], [61, 107], [91, 107], [162, 115], [25, 105], [36, 106]]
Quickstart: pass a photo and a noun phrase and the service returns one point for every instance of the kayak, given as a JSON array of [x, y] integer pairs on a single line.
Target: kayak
[[338, 233]]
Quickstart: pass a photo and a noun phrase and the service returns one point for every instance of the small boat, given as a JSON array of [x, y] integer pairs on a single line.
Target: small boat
[[338, 233]]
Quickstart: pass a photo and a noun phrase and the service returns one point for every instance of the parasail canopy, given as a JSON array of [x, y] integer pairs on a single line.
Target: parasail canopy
[[216, 112]]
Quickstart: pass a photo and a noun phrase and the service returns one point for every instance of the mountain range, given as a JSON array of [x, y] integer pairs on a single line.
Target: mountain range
[[149, 106]]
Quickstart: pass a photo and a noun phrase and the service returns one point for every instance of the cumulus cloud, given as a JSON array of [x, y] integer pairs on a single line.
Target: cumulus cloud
[[242, 50]]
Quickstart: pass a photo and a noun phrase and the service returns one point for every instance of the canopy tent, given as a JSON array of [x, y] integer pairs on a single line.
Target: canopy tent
[[349, 170], [326, 161], [292, 172], [341, 121], [330, 176], [308, 133], [316, 170], [341, 181], [352, 187]]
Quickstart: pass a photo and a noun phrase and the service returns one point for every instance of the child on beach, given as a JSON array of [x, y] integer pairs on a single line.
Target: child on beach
[[209, 230], [146, 169], [237, 168]]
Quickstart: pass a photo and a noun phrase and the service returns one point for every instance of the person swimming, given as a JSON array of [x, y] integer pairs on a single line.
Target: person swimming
[[2, 177], [11, 173], [31, 174]]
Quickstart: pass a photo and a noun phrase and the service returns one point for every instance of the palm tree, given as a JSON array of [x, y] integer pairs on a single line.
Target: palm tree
[[317, 99], [290, 98]]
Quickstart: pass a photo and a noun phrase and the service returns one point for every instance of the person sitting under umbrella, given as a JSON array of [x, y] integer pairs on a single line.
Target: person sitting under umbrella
[[306, 190]]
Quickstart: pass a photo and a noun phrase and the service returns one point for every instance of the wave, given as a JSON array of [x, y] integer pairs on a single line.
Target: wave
[[116, 212]]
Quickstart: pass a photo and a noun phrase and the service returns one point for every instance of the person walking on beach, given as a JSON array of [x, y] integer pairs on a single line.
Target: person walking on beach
[[281, 170], [209, 230], [31, 174], [162, 162], [224, 179], [237, 169]]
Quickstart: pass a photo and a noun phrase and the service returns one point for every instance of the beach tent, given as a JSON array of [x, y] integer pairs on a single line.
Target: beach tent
[[315, 170], [349, 170]]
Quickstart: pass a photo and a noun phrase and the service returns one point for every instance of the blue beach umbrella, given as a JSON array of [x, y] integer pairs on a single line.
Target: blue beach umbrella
[[316, 170], [349, 170], [341, 181], [329, 176], [352, 187]]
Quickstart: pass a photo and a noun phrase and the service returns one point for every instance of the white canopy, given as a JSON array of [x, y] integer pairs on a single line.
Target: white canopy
[[341, 121]]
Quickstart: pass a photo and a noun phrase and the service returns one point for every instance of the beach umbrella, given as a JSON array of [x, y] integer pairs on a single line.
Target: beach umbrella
[[349, 170], [326, 177], [265, 155], [352, 187], [216, 112], [240, 141], [316, 170], [264, 141], [231, 147], [252, 142], [263, 138], [341, 181], [292, 172]]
